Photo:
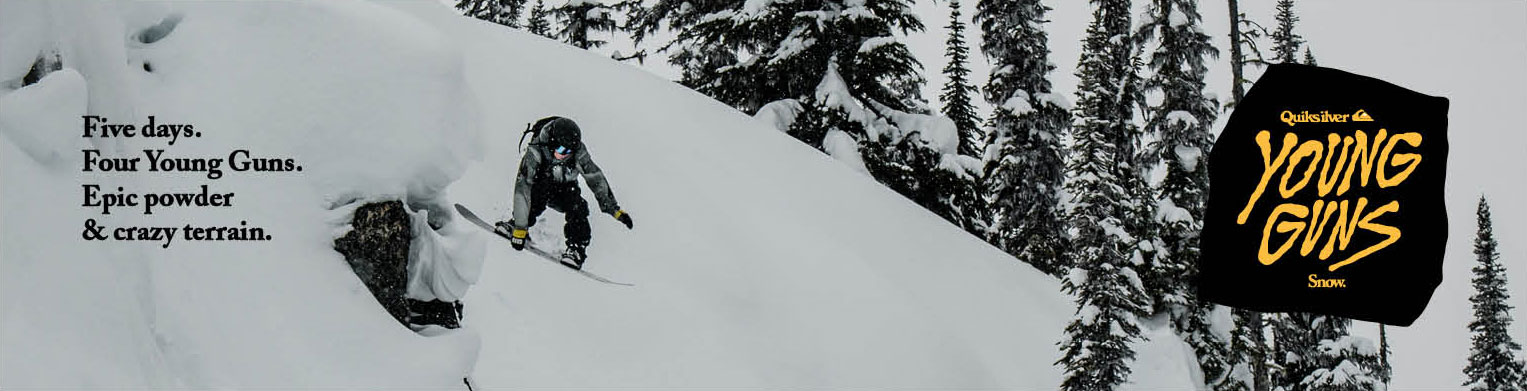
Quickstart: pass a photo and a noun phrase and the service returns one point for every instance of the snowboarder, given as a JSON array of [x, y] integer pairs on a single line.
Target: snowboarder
[[548, 176]]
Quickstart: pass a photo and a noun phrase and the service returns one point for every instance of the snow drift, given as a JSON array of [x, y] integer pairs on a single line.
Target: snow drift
[[332, 85]]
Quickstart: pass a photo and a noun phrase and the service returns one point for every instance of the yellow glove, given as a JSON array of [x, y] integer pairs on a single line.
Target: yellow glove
[[623, 217]]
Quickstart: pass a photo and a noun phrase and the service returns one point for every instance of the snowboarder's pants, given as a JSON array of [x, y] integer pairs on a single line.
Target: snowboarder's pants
[[568, 200]]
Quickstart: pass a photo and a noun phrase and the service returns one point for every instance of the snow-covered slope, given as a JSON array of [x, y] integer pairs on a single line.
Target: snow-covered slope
[[759, 262]]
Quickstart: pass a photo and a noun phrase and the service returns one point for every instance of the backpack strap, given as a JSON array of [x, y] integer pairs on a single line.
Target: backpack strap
[[534, 130]]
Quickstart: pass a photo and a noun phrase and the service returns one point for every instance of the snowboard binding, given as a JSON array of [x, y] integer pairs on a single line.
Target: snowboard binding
[[503, 228], [574, 256]]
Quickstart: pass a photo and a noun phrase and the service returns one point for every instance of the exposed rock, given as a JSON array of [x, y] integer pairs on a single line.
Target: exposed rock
[[377, 249]]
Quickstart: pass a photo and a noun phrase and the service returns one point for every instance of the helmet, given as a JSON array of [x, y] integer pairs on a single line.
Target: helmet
[[563, 132]]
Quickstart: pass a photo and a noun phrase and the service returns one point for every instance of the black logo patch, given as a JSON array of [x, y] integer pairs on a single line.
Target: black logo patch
[[1326, 196]]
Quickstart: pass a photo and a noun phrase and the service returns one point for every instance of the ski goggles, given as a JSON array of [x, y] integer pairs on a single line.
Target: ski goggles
[[562, 152]]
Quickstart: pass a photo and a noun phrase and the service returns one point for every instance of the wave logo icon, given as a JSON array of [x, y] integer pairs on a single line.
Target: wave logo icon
[[1361, 116]]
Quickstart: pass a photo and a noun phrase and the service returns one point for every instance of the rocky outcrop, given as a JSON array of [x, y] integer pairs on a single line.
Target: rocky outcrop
[[377, 249]]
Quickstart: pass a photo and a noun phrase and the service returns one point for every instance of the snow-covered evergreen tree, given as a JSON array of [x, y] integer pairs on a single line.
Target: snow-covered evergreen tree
[[1247, 351], [504, 12], [1493, 363], [1339, 361], [863, 83], [962, 191], [1285, 41], [857, 35], [538, 23], [580, 18], [1309, 58], [1317, 353], [749, 54], [940, 180], [1212, 350], [1024, 165], [1107, 190], [838, 74], [1248, 361], [705, 42], [957, 90], [1293, 341], [1181, 123], [1347, 363]]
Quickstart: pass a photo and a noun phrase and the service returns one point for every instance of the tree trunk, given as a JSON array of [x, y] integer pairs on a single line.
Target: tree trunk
[[1236, 93], [1258, 356]]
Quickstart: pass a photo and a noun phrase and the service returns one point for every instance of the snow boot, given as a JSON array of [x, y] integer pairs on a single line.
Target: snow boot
[[574, 256], [503, 228], [434, 312]]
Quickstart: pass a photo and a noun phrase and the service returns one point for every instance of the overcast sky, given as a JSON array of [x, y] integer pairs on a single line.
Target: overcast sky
[[1470, 51]]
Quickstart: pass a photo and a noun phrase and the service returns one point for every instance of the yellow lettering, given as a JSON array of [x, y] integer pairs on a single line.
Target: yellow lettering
[[1327, 283], [1330, 174], [1298, 211], [1367, 223], [1270, 166], [1364, 154], [1410, 160], [1310, 148], [1342, 232], [1316, 226]]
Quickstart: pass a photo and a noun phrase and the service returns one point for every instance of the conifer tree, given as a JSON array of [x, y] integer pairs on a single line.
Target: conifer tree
[[702, 46], [1317, 353], [1181, 123], [1104, 180], [841, 59], [789, 45], [580, 18], [1024, 165], [957, 90], [1493, 363], [837, 67], [1237, 78], [538, 23], [1251, 326], [1213, 352], [1309, 58], [958, 192], [1338, 361], [1244, 34], [1285, 41], [1387, 372], [1246, 345], [856, 36], [629, 11], [504, 12], [1293, 342], [1249, 362]]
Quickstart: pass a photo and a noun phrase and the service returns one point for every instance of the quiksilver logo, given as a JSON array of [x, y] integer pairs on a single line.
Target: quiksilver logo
[[1291, 118]]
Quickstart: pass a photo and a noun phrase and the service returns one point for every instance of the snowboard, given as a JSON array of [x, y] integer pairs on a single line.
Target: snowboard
[[531, 247]]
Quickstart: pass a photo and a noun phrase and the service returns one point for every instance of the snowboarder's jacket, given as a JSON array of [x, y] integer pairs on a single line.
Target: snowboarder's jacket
[[538, 167]]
